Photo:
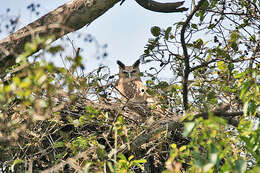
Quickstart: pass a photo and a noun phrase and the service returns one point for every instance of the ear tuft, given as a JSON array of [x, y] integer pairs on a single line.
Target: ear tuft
[[137, 63], [121, 65]]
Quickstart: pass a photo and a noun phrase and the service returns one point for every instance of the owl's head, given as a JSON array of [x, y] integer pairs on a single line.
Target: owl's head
[[129, 71]]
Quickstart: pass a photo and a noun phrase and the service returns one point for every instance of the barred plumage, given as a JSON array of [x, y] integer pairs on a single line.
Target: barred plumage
[[129, 83]]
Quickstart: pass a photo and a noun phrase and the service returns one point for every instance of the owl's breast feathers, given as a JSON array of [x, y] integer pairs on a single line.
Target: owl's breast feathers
[[132, 89]]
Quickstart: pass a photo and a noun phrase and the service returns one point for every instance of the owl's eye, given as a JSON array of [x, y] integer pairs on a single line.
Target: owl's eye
[[125, 72], [133, 71]]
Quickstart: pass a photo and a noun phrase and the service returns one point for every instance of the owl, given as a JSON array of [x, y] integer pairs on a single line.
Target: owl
[[129, 83]]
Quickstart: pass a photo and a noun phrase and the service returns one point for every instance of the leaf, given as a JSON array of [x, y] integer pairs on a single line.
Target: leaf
[[16, 162], [234, 36], [130, 157], [241, 166], [183, 148], [193, 25], [207, 167], [163, 85], [213, 156], [245, 87], [245, 108], [155, 30], [121, 156], [59, 144], [140, 161], [200, 14], [26, 83], [167, 33], [198, 43], [188, 127], [87, 167], [221, 65], [174, 146], [55, 49]]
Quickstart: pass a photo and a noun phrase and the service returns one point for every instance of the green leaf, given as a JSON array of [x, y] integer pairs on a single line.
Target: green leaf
[[188, 127], [221, 65], [59, 144], [26, 83], [16, 162], [140, 161], [241, 166], [183, 148], [245, 87], [86, 168], [213, 156], [122, 156], [167, 33], [207, 167], [193, 25], [55, 49], [234, 36], [200, 14], [245, 108], [155, 30], [130, 157], [174, 146], [198, 43]]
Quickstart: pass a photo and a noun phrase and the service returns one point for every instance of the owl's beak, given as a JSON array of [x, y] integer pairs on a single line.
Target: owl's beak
[[129, 74]]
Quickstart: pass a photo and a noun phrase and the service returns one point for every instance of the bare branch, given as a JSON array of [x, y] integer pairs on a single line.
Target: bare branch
[[186, 55]]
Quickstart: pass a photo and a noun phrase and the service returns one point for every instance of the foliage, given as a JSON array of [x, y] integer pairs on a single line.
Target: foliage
[[223, 69], [53, 119]]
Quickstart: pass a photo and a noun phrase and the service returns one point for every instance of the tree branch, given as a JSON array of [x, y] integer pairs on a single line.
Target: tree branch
[[63, 20], [173, 125], [186, 55], [162, 7], [229, 116]]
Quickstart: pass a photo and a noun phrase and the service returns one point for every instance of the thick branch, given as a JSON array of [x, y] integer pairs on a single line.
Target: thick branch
[[65, 19], [176, 125], [146, 137], [162, 7], [229, 116], [186, 56]]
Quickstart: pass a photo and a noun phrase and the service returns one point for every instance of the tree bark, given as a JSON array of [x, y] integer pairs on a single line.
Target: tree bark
[[65, 19], [162, 7]]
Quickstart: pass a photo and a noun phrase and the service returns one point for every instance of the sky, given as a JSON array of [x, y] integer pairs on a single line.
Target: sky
[[125, 29]]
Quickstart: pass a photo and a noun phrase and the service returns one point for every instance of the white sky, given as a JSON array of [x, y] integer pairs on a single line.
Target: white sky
[[125, 28]]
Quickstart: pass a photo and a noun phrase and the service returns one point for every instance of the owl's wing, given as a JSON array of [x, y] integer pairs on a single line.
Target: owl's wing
[[140, 87], [116, 83], [142, 91], [120, 87]]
